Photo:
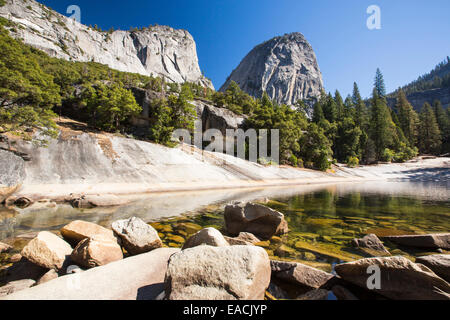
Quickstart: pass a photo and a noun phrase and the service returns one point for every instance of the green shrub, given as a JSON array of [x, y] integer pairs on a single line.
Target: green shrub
[[352, 162]]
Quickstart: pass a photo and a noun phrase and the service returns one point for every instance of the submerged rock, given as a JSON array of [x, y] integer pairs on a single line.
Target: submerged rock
[[316, 294], [47, 250], [438, 263], [257, 219], [218, 273], [137, 237], [96, 251], [430, 241], [400, 278], [93, 201], [78, 230], [207, 236], [4, 247], [371, 245], [306, 277]]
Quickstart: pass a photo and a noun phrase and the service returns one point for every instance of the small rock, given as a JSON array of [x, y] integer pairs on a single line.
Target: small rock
[[47, 250], [4, 247], [430, 241], [15, 286], [96, 251], [400, 279], [78, 230], [52, 274], [257, 219], [15, 258], [236, 242], [371, 245], [301, 275], [343, 293], [248, 237], [23, 202], [224, 273], [317, 294], [438, 263], [207, 236], [137, 236]]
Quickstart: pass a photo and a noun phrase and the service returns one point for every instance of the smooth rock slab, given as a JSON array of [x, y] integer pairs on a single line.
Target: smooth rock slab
[[306, 277], [96, 251], [400, 279], [438, 263], [218, 273], [257, 219], [47, 250], [430, 241], [137, 236], [16, 286], [135, 278], [207, 236], [78, 230]]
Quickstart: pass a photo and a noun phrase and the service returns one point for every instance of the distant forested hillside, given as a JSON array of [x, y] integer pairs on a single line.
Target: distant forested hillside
[[438, 78]]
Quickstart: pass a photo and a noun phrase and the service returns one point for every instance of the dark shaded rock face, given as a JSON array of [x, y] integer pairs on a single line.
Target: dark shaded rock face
[[418, 99], [284, 67]]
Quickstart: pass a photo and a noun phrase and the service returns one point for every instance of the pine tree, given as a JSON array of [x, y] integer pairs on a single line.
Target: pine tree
[[429, 134], [379, 84], [407, 117], [381, 125]]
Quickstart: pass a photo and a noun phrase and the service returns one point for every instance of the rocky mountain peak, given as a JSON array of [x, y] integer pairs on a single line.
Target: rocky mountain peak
[[157, 50], [285, 67]]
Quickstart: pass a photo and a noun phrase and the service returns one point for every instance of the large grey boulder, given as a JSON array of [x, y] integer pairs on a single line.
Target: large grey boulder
[[136, 236], [78, 230], [47, 250], [439, 263], [12, 173], [285, 67], [400, 278], [257, 219], [135, 278], [207, 236], [303, 276], [218, 273], [429, 241], [96, 251]]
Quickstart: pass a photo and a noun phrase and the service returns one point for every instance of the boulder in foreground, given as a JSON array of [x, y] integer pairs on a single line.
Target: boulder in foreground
[[218, 273], [400, 279], [429, 241], [16, 286], [78, 230], [207, 236], [137, 237], [257, 219], [438, 263], [135, 278], [96, 251], [47, 250]]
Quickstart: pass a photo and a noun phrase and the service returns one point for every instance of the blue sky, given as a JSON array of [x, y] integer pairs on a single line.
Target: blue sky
[[414, 35]]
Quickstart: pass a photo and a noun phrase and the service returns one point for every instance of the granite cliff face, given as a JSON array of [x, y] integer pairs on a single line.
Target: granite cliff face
[[158, 51], [285, 67]]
